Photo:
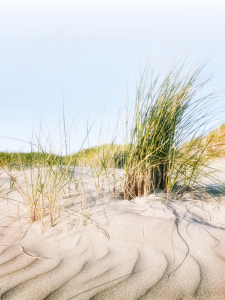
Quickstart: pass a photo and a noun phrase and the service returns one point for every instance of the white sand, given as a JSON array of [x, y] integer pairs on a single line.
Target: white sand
[[138, 249]]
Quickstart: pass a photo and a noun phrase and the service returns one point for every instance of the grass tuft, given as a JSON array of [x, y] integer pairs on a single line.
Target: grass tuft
[[167, 114]]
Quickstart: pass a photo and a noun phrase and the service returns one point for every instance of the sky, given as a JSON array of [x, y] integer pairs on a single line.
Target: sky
[[89, 55]]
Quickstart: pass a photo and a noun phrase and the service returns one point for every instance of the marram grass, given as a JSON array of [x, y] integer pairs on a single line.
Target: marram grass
[[167, 114], [165, 147]]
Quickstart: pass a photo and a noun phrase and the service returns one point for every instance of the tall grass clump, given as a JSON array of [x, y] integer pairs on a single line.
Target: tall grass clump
[[165, 148]]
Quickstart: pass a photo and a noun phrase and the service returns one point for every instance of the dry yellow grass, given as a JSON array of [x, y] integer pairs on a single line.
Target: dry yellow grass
[[217, 141]]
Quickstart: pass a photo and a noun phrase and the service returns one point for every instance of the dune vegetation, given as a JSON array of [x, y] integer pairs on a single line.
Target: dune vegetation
[[165, 147], [169, 147], [217, 141]]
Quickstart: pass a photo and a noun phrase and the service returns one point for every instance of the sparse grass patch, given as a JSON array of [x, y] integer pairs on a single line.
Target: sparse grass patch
[[39, 179]]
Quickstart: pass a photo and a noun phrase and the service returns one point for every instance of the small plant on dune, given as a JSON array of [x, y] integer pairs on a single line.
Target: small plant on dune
[[40, 181], [166, 116]]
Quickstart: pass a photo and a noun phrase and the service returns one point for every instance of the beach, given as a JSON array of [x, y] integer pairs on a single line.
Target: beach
[[146, 248]]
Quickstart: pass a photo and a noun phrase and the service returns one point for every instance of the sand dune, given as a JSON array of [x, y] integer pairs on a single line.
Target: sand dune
[[139, 249]]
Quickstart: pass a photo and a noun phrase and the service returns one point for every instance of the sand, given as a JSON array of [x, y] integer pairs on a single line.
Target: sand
[[146, 248]]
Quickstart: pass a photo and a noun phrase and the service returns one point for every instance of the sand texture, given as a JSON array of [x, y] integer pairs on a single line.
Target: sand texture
[[140, 249]]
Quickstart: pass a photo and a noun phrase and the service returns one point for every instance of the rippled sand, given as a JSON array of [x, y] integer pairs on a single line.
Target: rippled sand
[[140, 249]]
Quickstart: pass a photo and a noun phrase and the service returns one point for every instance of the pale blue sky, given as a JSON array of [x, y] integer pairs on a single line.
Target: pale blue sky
[[91, 51]]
